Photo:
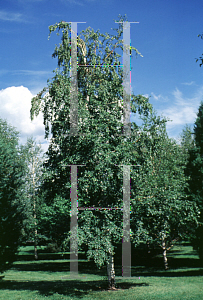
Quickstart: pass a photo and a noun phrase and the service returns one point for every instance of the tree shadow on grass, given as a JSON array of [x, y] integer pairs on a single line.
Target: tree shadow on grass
[[71, 288], [147, 267], [153, 265], [174, 263], [169, 273], [87, 267], [54, 266], [43, 256]]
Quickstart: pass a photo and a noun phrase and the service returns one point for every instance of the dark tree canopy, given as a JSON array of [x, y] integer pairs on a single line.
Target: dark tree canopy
[[11, 174], [194, 172]]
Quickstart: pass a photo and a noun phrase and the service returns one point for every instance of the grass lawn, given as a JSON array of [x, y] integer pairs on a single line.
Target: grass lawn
[[48, 278]]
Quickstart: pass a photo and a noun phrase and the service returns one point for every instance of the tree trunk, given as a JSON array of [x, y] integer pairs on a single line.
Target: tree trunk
[[35, 243], [111, 272], [34, 210], [36, 255], [35, 237], [164, 252], [148, 248]]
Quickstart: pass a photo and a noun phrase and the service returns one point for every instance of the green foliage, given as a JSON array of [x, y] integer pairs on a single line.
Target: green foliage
[[52, 248], [187, 141], [11, 172], [195, 174], [54, 220], [196, 160], [198, 130], [160, 204], [32, 156], [99, 145]]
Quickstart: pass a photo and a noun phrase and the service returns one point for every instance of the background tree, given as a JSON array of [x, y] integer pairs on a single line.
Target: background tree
[[32, 154], [98, 146], [54, 222], [195, 173], [160, 206], [11, 173], [187, 148], [187, 142]]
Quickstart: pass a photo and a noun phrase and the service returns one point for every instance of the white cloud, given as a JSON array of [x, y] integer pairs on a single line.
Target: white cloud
[[189, 83], [181, 111], [75, 2], [25, 1], [31, 72], [15, 104], [9, 16], [159, 97], [81, 2], [156, 97], [146, 95], [184, 109]]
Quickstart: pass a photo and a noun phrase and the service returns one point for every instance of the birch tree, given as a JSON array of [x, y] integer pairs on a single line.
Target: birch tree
[[161, 205], [32, 154], [99, 144]]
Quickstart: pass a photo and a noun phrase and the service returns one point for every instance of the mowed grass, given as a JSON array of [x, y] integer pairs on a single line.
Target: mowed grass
[[49, 278]]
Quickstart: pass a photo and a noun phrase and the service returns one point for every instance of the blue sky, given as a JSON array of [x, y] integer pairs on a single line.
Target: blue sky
[[166, 36]]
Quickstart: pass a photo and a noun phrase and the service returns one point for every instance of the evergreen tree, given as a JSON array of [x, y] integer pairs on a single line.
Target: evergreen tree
[[11, 173], [195, 173]]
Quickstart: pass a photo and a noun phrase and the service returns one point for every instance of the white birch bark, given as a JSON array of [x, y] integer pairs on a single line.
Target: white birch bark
[[111, 271], [34, 211], [164, 251], [35, 238]]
